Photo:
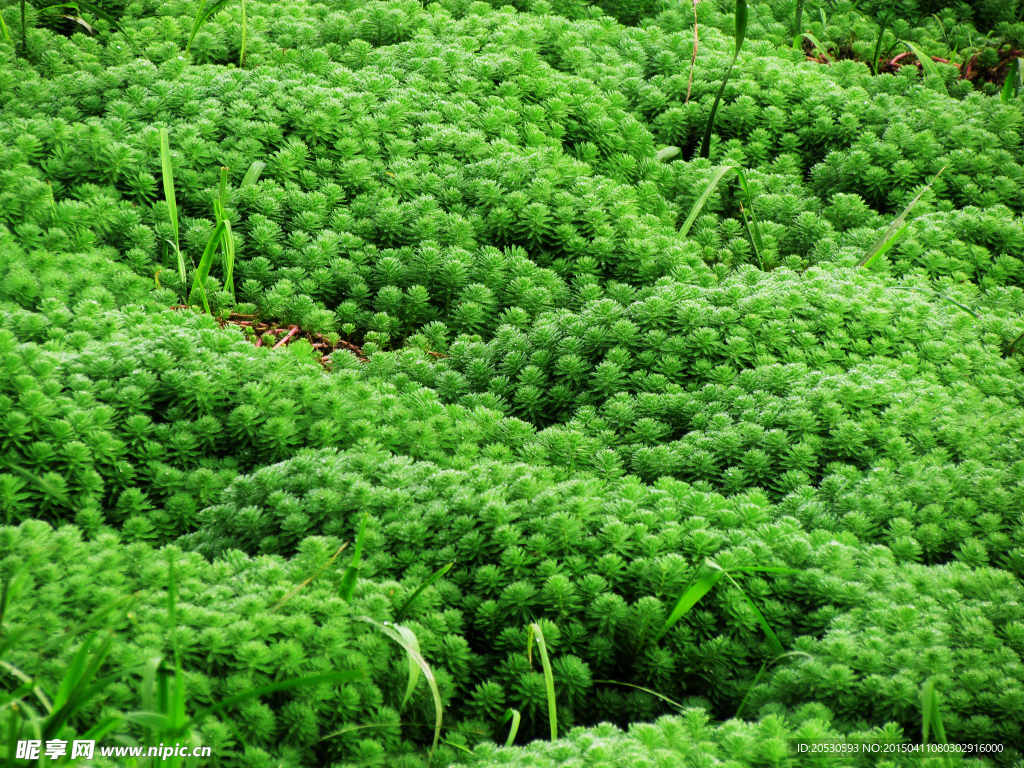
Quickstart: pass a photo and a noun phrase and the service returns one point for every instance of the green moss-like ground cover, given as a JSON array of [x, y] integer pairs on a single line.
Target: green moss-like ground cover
[[585, 413]]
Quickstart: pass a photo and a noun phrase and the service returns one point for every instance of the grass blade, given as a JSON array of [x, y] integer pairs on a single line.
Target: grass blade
[[752, 228], [881, 37], [100, 13], [716, 177], [348, 581], [227, 247], [927, 65], [895, 230], [433, 578], [819, 47], [245, 38], [549, 678], [222, 193], [1012, 84], [414, 658], [167, 170], [205, 12], [773, 639], [797, 24], [646, 690], [516, 718], [348, 676], [955, 303], [295, 590], [767, 663], [203, 270], [741, 32], [4, 31], [931, 717], [690, 597], [253, 174], [668, 153]]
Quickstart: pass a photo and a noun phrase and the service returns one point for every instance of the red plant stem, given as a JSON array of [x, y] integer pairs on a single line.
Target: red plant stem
[[291, 332]]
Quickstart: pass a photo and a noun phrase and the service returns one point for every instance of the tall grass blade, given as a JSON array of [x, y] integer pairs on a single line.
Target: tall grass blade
[[1013, 82], [931, 717], [942, 296], [1010, 350], [767, 663], [205, 262], [298, 587], [664, 698], [253, 174], [927, 65], [98, 12], [222, 192], [167, 170], [401, 635], [797, 24], [716, 177], [752, 227], [245, 38], [227, 248], [24, 31], [516, 718], [741, 32], [896, 229], [348, 581], [202, 15], [5, 32], [412, 598], [668, 153], [773, 639], [47, 489], [819, 47], [881, 37], [549, 677], [690, 597]]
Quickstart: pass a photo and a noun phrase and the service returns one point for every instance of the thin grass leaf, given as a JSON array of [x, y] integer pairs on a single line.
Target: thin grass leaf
[[202, 15], [4, 31], [47, 489], [931, 716], [1012, 84], [955, 303], [797, 24], [397, 634], [773, 639], [716, 177], [227, 247], [767, 663], [668, 153], [895, 230], [327, 678], [349, 730], [741, 32], [819, 47], [752, 227], [516, 718], [222, 193], [245, 38], [926, 63], [690, 597], [167, 170], [24, 31], [1010, 350], [205, 262], [101, 14], [348, 581], [295, 590], [664, 698], [439, 573], [549, 677], [253, 174], [449, 742], [881, 37]]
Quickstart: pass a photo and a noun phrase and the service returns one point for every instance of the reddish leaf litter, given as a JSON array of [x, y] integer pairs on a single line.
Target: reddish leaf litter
[[276, 335], [973, 71]]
